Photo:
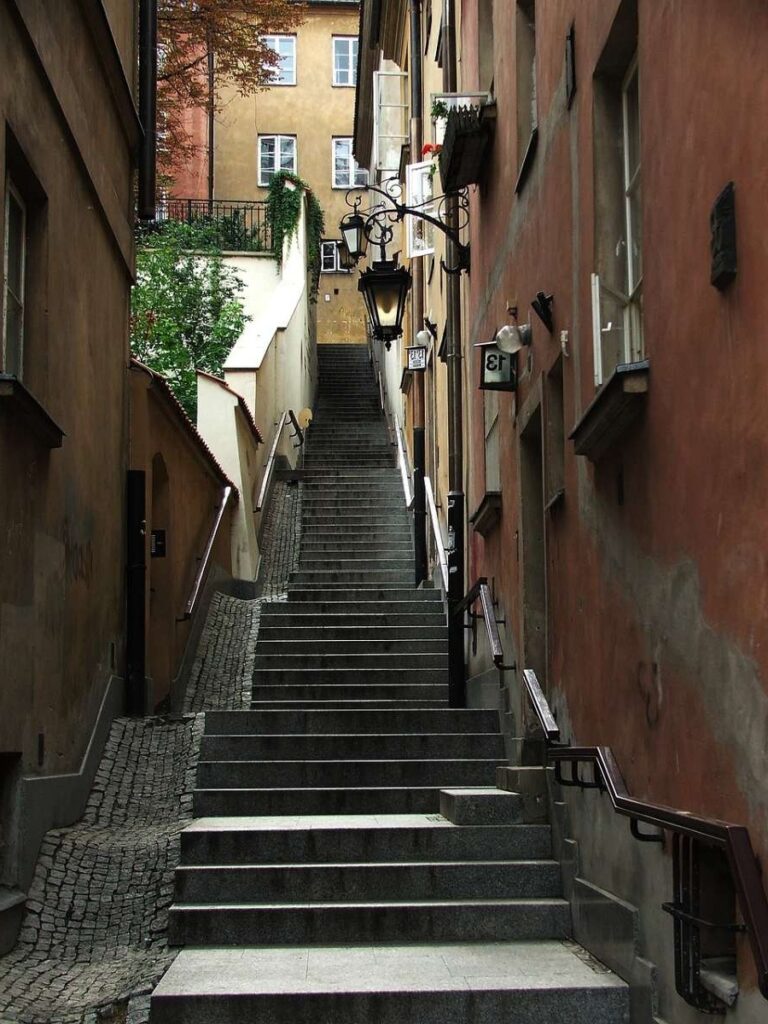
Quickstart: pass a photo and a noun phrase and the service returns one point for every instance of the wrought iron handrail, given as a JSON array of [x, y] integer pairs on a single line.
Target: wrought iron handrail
[[481, 590], [202, 570], [270, 464], [236, 224], [401, 460], [437, 533], [733, 839]]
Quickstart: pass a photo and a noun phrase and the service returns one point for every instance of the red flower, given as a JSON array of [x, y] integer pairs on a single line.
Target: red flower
[[431, 149]]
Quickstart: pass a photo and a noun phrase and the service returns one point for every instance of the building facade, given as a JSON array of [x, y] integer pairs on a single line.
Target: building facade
[[302, 124], [614, 498]]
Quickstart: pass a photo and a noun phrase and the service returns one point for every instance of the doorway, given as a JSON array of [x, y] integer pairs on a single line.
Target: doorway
[[534, 574]]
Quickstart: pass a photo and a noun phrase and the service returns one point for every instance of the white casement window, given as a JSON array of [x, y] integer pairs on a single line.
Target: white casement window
[[329, 257], [617, 303], [15, 256], [390, 120], [346, 173], [419, 190], [345, 60], [276, 153], [285, 48]]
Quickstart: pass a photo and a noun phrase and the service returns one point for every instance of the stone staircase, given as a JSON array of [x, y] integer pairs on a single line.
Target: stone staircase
[[321, 883]]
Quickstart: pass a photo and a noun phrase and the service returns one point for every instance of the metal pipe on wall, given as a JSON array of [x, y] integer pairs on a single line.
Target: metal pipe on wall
[[417, 311], [148, 109], [456, 500]]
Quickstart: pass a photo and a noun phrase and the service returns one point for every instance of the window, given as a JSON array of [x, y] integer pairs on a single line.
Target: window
[[491, 433], [390, 112], [485, 54], [527, 114], [15, 254], [329, 258], [276, 153], [346, 173], [554, 435], [345, 60], [617, 283], [419, 189], [285, 48]]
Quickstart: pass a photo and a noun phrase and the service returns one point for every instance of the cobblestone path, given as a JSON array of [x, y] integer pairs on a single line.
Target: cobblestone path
[[93, 944]]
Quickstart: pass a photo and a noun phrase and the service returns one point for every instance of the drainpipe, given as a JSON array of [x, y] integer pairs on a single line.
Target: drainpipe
[[456, 500], [417, 313], [148, 108], [211, 103]]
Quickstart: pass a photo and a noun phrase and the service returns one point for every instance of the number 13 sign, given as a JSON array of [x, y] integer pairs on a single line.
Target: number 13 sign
[[498, 370]]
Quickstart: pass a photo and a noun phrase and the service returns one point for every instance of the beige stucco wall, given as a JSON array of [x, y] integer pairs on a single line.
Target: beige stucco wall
[[314, 110]]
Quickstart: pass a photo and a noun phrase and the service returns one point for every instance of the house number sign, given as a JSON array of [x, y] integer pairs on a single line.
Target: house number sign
[[498, 370]]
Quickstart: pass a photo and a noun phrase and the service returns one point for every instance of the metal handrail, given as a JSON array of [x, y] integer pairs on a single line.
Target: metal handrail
[[403, 465], [269, 468], [733, 839], [481, 590], [437, 532], [202, 570]]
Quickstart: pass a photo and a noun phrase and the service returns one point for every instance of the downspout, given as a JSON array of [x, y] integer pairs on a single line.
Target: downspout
[[417, 312], [456, 499], [148, 109], [211, 104]]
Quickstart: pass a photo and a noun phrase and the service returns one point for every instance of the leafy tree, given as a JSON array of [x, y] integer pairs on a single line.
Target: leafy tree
[[232, 32], [186, 311]]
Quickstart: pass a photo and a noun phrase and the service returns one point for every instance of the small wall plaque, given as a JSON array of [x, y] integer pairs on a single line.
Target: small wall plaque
[[498, 370], [723, 242], [157, 544], [417, 357]]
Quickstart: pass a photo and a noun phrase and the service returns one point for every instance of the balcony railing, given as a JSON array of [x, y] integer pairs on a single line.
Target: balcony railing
[[237, 225]]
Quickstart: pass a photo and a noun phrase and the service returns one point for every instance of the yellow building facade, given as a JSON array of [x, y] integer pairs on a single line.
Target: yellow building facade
[[303, 123]]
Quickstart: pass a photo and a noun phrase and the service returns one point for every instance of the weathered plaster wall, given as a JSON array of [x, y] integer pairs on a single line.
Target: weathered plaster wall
[[293, 110], [656, 624], [183, 493]]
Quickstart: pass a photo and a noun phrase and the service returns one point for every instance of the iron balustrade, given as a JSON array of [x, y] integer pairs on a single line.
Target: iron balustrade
[[270, 464], [687, 829], [205, 560], [235, 224]]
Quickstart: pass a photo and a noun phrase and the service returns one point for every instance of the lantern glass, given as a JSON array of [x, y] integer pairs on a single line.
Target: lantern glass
[[352, 231], [385, 290], [345, 258]]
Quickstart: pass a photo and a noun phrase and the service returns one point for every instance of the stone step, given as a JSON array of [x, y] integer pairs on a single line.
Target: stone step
[[362, 564], [241, 723], [320, 658], [366, 883], [379, 703], [355, 673], [541, 982], [371, 524], [325, 646], [317, 800], [327, 840], [348, 579], [360, 611], [354, 745], [415, 921], [415, 693], [373, 633], [386, 597], [389, 774], [399, 548]]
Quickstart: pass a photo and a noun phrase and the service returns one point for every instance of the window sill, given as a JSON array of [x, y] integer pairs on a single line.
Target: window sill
[[527, 162], [487, 515], [16, 401], [607, 418]]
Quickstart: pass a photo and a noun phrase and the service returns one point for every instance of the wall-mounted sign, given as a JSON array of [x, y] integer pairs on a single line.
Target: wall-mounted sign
[[157, 544], [417, 357], [498, 370]]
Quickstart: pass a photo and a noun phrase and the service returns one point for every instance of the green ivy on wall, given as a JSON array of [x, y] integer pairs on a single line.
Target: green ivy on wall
[[284, 211]]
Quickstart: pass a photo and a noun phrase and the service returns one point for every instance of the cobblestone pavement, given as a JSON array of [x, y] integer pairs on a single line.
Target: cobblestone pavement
[[93, 943]]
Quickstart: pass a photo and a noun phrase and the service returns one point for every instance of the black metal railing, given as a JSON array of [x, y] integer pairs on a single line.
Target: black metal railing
[[235, 225], [692, 835], [287, 417]]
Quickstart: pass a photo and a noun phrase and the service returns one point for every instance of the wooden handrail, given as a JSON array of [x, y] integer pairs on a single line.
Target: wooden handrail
[[437, 533], [202, 571], [733, 839]]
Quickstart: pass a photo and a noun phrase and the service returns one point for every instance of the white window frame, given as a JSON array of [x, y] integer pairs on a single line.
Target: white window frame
[[12, 191], [337, 267], [352, 42], [379, 106], [631, 301], [273, 42], [264, 183], [419, 189], [354, 169]]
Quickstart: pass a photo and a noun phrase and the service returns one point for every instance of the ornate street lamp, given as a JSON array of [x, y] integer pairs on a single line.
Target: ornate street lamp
[[384, 287], [354, 235]]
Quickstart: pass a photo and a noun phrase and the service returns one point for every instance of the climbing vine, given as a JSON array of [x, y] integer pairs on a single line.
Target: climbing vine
[[284, 211]]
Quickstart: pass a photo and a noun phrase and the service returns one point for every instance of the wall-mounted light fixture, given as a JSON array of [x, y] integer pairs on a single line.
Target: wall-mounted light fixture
[[384, 287], [512, 337]]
